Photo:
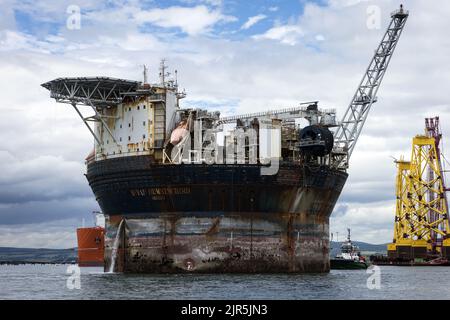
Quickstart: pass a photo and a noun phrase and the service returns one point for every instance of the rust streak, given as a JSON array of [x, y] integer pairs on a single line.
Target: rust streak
[[214, 229]]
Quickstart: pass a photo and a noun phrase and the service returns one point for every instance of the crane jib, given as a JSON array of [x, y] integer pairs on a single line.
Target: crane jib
[[356, 114]]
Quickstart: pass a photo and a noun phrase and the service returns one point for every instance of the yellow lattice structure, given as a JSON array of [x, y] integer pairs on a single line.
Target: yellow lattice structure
[[427, 195], [401, 225], [421, 221]]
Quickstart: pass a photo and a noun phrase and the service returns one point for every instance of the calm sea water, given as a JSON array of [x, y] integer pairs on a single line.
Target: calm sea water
[[50, 282]]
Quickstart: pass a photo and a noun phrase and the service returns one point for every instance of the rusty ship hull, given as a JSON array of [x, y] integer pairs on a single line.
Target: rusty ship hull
[[215, 218]]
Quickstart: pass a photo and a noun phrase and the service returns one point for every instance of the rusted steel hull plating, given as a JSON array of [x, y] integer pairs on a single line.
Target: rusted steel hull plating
[[216, 218]]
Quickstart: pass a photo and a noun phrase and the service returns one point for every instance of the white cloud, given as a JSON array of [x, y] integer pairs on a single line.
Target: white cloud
[[252, 21], [53, 235], [192, 20], [286, 34], [320, 37], [252, 75], [273, 9], [370, 222], [11, 40], [345, 3]]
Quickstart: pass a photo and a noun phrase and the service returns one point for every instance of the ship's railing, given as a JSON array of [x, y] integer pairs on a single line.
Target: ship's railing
[[117, 155], [274, 112], [400, 12]]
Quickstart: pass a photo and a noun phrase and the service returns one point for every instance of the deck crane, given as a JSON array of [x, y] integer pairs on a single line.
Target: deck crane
[[350, 127]]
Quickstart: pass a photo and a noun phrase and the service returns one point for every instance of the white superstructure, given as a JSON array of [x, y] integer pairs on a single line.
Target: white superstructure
[[137, 126]]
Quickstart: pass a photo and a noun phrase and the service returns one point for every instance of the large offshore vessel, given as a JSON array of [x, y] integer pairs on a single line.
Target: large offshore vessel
[[185, 190]]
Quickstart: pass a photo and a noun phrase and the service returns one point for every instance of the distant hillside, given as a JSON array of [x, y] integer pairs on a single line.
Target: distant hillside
[[30, 255], [363, 247]]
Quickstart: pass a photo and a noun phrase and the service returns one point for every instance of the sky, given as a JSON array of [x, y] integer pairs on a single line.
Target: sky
[[232, 56]]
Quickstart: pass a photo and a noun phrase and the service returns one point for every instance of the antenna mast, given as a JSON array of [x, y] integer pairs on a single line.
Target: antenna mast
[[145, 74], [162, 72]]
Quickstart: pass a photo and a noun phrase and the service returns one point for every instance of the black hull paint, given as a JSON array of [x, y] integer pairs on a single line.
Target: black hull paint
[[216, 218]]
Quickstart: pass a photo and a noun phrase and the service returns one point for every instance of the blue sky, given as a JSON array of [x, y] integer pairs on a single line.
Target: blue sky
[[43, 20], [234, 56], [274, 11]]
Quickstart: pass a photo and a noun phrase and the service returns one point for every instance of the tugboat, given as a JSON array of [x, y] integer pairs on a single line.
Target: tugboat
[[349, 258]]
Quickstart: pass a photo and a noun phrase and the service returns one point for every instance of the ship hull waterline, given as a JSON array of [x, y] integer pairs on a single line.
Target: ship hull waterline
[[198, 218]]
